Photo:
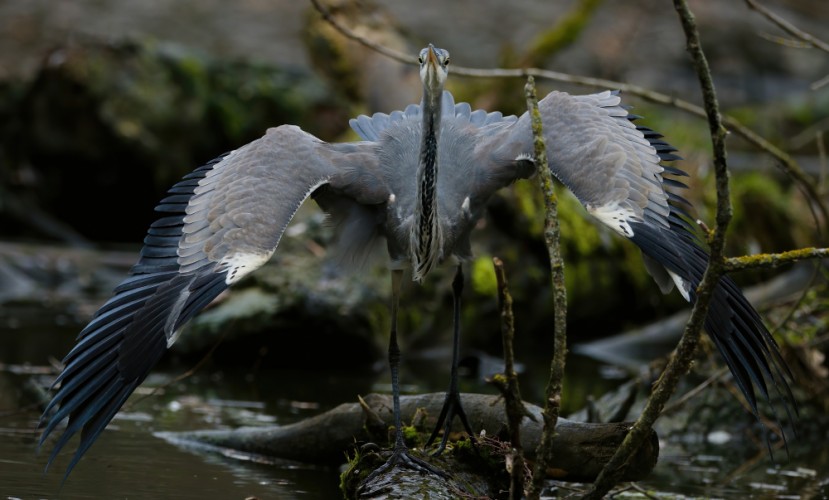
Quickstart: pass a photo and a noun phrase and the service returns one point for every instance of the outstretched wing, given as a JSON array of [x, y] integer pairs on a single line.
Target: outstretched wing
[[614, 168], [221, 222]]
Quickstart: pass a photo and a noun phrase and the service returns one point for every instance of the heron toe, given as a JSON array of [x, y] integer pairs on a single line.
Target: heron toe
[[452, 408]]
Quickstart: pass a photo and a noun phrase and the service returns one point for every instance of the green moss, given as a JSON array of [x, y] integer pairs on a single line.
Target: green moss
[[363, 464], [483, 276], [346, 477], [411, 436], [463, 445]]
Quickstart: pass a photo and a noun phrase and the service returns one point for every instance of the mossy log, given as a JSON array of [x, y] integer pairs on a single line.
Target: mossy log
[[580, 449]]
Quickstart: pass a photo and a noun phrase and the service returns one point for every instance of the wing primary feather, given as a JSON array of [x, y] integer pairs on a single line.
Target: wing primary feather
[[745, 344], [674, 183], [675, 171], [75, 396], [203, 292], [90, 431], [97, 379]]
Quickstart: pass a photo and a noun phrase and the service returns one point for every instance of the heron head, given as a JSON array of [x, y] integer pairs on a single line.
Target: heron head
[[434, 65]]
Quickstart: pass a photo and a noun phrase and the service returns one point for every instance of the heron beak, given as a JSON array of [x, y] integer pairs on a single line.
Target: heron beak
[[432, 57], [432, 70]]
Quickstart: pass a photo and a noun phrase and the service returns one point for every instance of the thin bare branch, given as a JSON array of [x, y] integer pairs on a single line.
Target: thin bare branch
[[820, 83], [786, 42], [348, 33], [789, 27]]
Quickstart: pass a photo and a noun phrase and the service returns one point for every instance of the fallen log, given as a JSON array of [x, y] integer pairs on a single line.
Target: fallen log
[[579, 453]]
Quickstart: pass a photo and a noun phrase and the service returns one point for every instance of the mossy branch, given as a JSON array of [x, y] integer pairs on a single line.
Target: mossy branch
[[770, 260], [551, 236], [681, 360]]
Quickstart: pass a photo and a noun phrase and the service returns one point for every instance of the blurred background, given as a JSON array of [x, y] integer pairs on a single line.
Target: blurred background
[[105, 104]]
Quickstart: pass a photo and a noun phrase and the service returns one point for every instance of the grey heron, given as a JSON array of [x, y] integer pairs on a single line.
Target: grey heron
[[419, 179]]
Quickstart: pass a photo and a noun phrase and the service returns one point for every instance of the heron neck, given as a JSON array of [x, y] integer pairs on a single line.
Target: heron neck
[[426, 233], [428, 165]]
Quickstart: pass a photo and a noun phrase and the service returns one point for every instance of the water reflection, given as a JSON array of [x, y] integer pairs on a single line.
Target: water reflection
[[128, 461]]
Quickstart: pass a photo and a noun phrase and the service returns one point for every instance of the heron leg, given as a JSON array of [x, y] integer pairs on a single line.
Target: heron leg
[[400, 454], [452, 404]]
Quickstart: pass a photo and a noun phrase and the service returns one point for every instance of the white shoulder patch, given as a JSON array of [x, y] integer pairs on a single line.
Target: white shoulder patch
[[240, 265], [615, 217]]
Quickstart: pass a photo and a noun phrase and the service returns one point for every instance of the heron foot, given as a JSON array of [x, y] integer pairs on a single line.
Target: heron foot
[[400, 456], [452, 408]]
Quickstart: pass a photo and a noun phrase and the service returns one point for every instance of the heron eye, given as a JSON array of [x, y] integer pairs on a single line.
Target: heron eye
[[420, 59], [446, 62]]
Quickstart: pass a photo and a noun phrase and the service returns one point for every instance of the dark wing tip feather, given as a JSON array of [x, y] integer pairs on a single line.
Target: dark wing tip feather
[[128, 334], [93, 384], [749, 350], [745, 344]]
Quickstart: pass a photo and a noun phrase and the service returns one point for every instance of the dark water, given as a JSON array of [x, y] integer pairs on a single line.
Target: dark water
[[129, 461]]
